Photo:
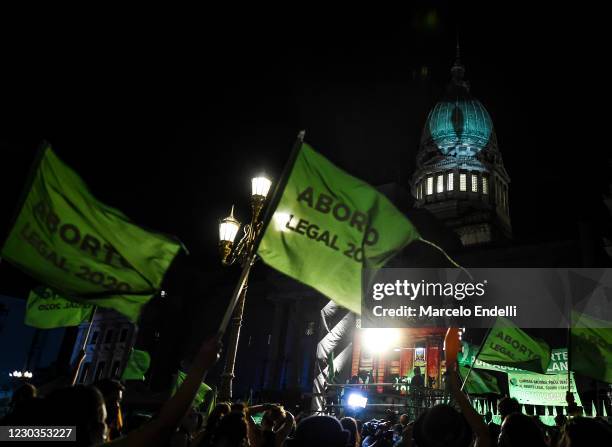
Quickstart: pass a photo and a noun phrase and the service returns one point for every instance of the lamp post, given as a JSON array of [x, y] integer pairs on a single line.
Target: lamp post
[[239, 252]]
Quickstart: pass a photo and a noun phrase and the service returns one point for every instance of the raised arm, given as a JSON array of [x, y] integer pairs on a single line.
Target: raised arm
[[64, 380], [155, 432], [475, 421]]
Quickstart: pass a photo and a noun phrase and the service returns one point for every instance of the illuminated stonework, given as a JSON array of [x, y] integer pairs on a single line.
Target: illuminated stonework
[[460, 168], [460, 127]]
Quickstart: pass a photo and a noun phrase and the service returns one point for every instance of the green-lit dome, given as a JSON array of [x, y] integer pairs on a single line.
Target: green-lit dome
[[462, 126]]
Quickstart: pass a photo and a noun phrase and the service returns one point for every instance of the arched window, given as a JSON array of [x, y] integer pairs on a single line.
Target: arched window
[[84, 372], [115, 369], [99, 371], [450, 181]]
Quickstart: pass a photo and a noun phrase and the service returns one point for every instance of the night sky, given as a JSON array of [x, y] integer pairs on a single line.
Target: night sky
[[168, 119]]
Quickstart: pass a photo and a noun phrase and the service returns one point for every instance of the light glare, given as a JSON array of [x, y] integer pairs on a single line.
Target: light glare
[[228, 228], [260, 186], [380, 340], [356, 400]]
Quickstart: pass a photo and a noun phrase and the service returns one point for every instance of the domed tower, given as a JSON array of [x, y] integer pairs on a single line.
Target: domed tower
[[460, 175]]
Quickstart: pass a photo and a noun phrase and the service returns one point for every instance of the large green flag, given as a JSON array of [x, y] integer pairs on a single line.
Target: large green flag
[[328, 225], [479, 382], [591, 347], [70, 241], [137, 365], [557, 364], [509, 345], [46, 309], [202, 393]]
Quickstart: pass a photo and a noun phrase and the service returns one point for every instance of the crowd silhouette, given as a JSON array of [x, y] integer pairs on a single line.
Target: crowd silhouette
[[95, 412]]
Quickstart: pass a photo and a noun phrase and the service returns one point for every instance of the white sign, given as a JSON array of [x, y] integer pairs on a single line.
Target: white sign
[[541, 389]]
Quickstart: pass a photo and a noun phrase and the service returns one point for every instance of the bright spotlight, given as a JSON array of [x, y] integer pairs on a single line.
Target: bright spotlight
[[380, 340], [357, 400]]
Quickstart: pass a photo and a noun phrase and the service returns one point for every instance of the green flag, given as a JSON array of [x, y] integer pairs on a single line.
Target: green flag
[[328, 225], [479, 382], [557, 364], [88, 251], [591, 348], [509, 345], [202, 391], [137, 365], [331, 373], [46, 309]]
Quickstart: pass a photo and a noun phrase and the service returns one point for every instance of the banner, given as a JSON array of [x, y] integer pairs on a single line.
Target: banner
[[328, 225], [541, 389], [591, 346], [508, 345], [46, 309], [88, 251], [557, 364], [137, 365]]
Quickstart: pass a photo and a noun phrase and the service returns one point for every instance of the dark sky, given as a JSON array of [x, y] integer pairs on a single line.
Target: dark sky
[[168, 119]]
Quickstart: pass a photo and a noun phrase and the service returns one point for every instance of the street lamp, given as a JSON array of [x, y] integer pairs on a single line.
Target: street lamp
[[231, 253]]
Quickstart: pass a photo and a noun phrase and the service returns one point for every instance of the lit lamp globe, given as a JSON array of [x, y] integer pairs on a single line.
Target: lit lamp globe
[[260, 188], [228, 229]]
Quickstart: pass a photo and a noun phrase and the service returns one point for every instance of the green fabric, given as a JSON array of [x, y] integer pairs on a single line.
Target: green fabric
[[557, 364], [328, 225], [331, 373], [508, 345], [70, 241], [591, 348], [137, 365], [46, 309], [200, 395], [479, 382]]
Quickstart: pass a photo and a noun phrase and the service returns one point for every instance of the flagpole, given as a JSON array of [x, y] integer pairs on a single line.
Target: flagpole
[[569, 354], [240, 286], [467, 376], [84, 344], [280, 186], [235, 307], [269, 211]]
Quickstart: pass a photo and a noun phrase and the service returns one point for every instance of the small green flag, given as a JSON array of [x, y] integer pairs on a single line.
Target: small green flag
[[557, 364], [46, 309], [202, 391], [328, 225], [331, 373], [509, 345], [479, 382], [137, 365], [591, 347], [86, 250]]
